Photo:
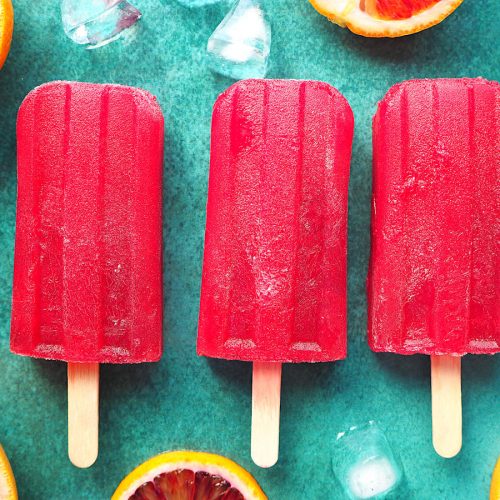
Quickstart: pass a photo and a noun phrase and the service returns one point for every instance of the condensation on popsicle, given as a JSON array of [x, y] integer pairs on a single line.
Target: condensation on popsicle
[[433, 281], [87, 270], [274, 274]]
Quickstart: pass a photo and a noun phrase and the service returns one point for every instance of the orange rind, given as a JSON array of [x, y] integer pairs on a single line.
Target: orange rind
[[8, 490], [6, 28], [495, 482]]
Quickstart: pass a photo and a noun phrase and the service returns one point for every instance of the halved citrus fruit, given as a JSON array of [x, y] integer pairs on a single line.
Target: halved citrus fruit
[[495, 482], [189, 475], [6, 28], [386, 18], [8, 490]]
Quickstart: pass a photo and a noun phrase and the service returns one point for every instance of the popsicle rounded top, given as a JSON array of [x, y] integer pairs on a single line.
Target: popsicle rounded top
[[274, 272], [433, 279], [87, 265], [145, 102]]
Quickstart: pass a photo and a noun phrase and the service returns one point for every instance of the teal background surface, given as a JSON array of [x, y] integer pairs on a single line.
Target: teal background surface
[[190, 402]]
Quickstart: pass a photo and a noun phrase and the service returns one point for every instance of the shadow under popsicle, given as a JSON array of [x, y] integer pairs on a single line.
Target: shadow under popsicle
[[476, 368], [411, 368], [300, 376]]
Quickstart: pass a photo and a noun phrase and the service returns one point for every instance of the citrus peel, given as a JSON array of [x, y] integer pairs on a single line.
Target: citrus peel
[[495, 482], [8, 490], [6, 28]]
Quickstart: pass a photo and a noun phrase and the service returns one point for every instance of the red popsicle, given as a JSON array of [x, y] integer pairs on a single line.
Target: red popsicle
[[274, 273], [433, 281], [87, 270]]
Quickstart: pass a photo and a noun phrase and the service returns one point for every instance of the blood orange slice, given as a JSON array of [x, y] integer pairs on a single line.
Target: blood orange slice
[[189, 475], [386, 18]]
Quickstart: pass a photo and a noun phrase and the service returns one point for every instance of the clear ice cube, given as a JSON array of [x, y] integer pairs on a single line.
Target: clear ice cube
[[366, 465], [240, 46], [97, 22]]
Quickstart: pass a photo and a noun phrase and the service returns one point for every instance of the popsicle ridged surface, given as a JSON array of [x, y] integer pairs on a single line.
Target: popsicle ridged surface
[[433, 282], [274, 276], [87, 270]]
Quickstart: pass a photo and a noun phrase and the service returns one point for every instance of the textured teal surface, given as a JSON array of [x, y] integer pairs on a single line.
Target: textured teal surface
[[190, 402]]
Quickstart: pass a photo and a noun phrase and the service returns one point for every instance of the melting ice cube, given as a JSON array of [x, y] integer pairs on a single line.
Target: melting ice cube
[[365, 464], [97, 22], [240, 46]]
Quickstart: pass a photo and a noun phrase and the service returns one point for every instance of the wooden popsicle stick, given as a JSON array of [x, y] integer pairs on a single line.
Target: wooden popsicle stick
[[83, 413], [446, 405], [266, 392]]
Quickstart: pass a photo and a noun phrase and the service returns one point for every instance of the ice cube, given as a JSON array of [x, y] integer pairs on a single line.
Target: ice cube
[[372, 477], [240, 46], [97, 22], [366, 465]]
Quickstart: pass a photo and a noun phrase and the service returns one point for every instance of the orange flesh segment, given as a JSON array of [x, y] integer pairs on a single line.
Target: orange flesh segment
[[396, 9], [186, 484]]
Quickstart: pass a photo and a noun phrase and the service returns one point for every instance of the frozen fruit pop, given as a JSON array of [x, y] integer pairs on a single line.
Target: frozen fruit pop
[[274, 273], [87, 268], [433, 280]]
